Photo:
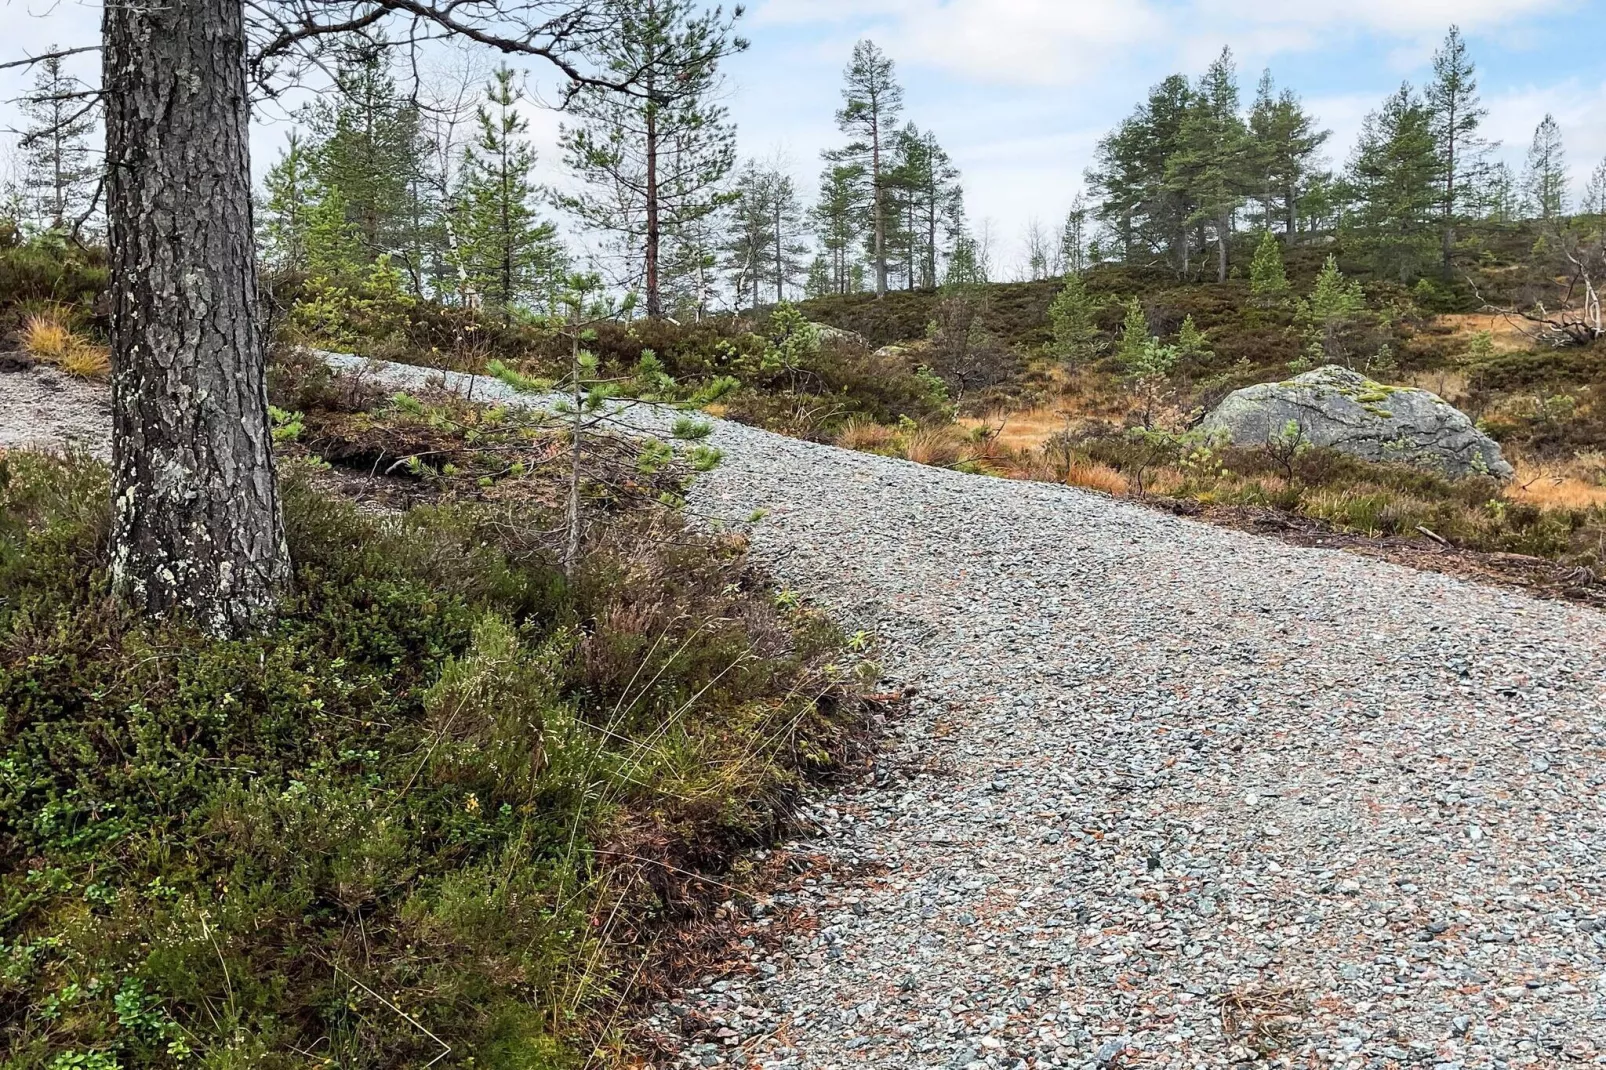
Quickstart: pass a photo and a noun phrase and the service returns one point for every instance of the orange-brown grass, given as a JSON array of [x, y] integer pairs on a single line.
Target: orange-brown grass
[[866, 436], [1508, 336], [1091, 475], [49, 337], [1447, 383], [940, 446], [1026, 429], [1575, 484]]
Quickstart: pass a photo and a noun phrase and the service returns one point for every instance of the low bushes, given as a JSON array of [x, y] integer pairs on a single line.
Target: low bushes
[[432, 816]]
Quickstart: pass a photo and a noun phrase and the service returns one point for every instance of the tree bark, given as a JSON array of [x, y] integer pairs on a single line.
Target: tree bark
[[1221, 248], [879, 198], [655, 301], [1449, 192], [196, 526]]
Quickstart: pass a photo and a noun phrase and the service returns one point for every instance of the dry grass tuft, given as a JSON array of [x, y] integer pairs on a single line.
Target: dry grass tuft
[[1091, 475], [866, 436], [49, 337], [939, 446]]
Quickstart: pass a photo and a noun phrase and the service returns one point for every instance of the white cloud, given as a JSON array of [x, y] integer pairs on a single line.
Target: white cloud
[[1403, 17], [1031, 42], [1577, 105]]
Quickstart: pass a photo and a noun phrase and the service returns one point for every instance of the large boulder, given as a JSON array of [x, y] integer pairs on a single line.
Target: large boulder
[[1346, 411], [828, 333]]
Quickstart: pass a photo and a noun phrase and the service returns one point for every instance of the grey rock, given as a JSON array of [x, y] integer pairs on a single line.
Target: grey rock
[[1109, 1050], [1344, 410], [839, 335]]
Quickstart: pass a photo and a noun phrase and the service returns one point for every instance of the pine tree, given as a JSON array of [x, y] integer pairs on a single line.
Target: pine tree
[[1327, 315], [1457, 113], [509, 254], [1192, 344], [1268, 281], [290, 189], [59, 173], [1594, 202], [783, 259], [654, 160], [1135, 335], [749, 233], [1395, 176], [966, 264], [334, 250], [839, 219], [691, 268], [820, 283], [871, 103], [1496, 196], [364, 145], [927, 203], [1138, 205], [1210, 166], [1284, 152], [1545, 181], [1073, 239], [1071, 315]]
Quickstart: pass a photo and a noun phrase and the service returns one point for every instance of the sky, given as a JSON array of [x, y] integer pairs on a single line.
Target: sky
[[1020, 91]]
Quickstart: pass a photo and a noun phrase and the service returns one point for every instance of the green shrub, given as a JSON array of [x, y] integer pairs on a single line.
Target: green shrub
[[34, 274], [426, 804]]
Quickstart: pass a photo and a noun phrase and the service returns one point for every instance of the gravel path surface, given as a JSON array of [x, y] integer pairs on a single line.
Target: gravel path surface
[[1172, 794], [43, 409]]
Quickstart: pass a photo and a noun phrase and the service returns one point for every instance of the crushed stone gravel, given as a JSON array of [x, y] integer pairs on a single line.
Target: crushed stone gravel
[[42, 408], [1169, 795]]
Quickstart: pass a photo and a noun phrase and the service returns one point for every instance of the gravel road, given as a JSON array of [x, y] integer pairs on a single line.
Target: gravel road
[[1171, 795]]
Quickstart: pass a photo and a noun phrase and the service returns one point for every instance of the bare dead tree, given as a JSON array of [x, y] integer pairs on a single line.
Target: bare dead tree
[[1569, 313]]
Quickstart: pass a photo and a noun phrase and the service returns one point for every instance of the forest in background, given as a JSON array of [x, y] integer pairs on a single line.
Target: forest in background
[[427, 188]]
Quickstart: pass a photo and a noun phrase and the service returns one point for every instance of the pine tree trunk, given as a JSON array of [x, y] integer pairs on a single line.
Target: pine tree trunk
[[880, 210], [1221, 248], [655, 303], [196, 526], [1449, 195], [780, 255]]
